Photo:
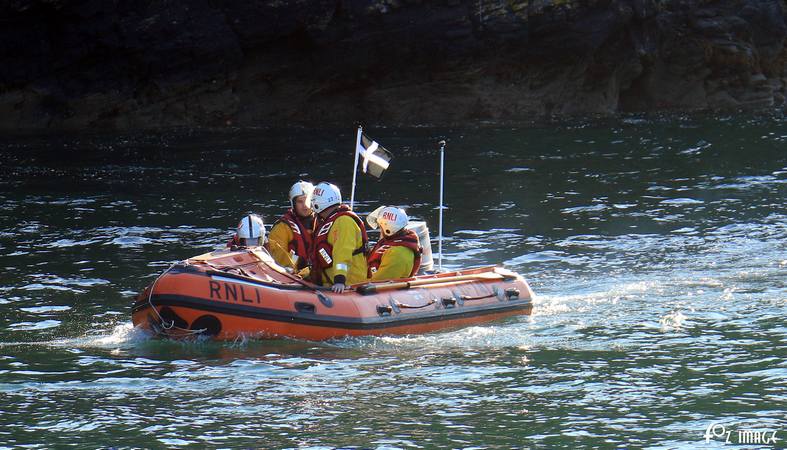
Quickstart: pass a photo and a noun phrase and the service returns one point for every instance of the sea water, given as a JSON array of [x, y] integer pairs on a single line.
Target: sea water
[[655, 245]]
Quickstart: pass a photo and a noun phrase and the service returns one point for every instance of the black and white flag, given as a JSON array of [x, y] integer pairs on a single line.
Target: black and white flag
[[374, 158]]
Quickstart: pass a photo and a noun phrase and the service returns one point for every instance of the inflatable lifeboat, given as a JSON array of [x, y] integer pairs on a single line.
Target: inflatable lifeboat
[[230, 294]]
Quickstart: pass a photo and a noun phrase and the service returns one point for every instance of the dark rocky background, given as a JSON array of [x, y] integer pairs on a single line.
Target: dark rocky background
[[77, 64]]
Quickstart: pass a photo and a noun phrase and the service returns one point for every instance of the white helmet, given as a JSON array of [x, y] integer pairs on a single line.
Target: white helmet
[[390, 219], [324, 196], [251, 230], [301, 188]]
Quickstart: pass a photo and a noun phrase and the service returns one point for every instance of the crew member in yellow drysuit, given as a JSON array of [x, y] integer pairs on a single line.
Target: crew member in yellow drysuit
[[290, 239], [397, 254], [339, 251]]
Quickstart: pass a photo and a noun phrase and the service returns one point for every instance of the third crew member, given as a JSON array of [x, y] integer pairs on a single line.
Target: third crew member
[[398, 253]]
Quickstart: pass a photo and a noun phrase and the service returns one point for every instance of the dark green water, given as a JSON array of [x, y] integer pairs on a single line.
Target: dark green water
[[657, 248]]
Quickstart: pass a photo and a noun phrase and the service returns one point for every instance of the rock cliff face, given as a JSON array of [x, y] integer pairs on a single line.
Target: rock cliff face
[[69, 64]]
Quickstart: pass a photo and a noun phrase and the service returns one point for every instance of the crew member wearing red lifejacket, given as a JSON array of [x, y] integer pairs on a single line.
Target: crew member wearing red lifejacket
[[398, 253], [338, 255], [290, 239]]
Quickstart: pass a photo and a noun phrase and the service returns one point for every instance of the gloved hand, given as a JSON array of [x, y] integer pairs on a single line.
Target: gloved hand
[[304, 273], [338, 284]]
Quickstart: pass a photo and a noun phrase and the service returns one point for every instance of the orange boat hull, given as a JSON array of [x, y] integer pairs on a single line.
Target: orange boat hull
[[229, 295]]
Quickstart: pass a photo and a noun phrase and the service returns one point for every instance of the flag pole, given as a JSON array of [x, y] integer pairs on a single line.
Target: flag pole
[[355, 164], [440, 232]]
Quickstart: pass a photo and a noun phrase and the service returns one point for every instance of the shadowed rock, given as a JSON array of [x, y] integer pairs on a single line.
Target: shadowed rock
[[76, 64]]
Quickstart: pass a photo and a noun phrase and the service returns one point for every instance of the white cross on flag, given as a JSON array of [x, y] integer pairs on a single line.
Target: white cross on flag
[[376, 159]]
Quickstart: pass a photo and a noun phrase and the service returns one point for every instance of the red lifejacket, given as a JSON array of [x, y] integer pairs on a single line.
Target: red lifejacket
[[404, 238], [320, 240], [301, 242]]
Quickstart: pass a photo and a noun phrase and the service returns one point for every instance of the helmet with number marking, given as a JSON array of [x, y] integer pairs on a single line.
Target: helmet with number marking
[[324, 196]]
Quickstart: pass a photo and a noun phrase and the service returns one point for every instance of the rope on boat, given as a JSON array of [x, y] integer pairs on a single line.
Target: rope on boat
[[406, 306], [171, 325], [480, 297], [433, 301]]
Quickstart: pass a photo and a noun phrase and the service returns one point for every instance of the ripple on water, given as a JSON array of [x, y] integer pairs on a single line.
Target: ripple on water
[[45, 309], [124, 335], [545, 257], [681, 201], [54, 282], [515, 333], [42, 287], [30, 326], [672, 321], [130, 241], [585, 209]]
